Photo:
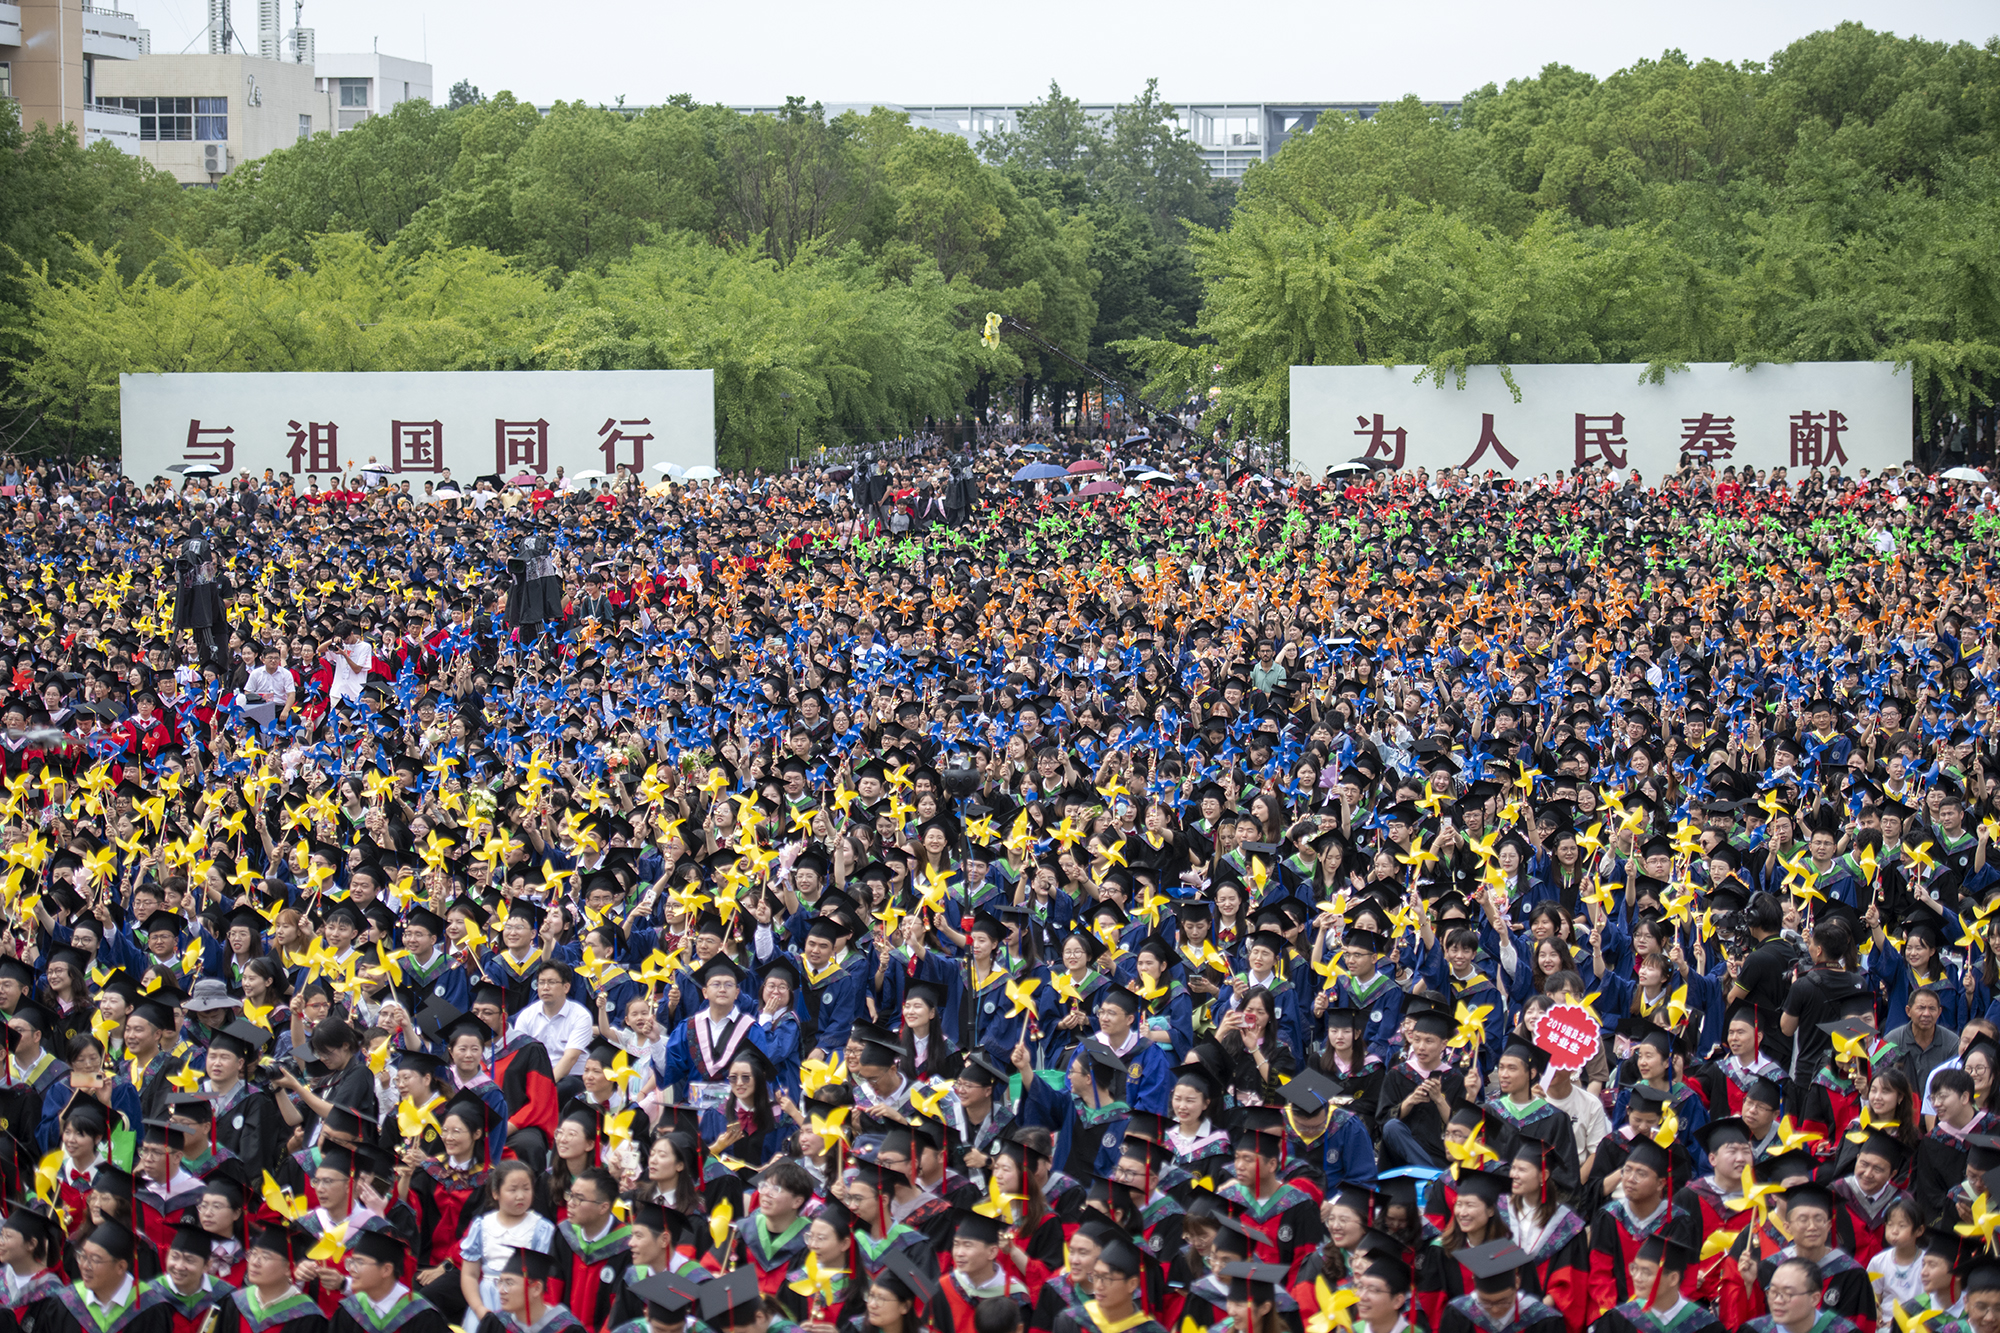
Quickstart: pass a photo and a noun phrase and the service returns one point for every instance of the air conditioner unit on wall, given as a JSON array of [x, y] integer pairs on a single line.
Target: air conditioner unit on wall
[[215, 158]]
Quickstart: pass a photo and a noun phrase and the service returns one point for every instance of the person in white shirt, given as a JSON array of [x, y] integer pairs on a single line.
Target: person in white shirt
[[269, 682], [351, 658], [560, 1024]]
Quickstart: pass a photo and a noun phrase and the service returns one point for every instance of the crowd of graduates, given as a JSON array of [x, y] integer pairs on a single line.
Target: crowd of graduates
[[1252, 902]]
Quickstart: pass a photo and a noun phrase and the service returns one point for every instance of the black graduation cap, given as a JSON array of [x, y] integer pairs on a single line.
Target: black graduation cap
[[1982, 1151], [1310, 1091], [1492, 1265], [191, 1238], [115, 1240], [384, 1247], [1669, 1254], [899, 1274], [978, 1227], [1725, 1130], [533, 1265], [1644, 1152], [1810, 1195], [667, 1295], [1253, 1282]]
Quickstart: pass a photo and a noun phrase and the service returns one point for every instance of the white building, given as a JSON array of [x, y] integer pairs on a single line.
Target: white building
[[369, 85], [87, 64]]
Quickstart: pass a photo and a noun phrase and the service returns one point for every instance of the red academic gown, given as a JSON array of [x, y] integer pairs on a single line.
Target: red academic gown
[[1615, 1239], [1560, 1271], [527, 1080]]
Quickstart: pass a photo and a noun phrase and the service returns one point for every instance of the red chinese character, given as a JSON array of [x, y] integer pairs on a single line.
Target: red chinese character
[[1489, 439], [616, 434], [315, 446], [1379, 440], [1816, 439], [416, 446], [1597, 438], [521, 444], [211, 444], [1708, 437]]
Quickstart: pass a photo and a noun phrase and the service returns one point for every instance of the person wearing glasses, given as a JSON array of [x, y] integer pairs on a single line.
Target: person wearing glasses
[[1116, 1278], [1844, 1289], [1657, 1271], [1795, 1293]]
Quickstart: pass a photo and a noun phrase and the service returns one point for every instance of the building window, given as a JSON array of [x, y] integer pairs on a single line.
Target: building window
[[211, 118], [175, 119], [6, 79], [305, 128], [354, 92]]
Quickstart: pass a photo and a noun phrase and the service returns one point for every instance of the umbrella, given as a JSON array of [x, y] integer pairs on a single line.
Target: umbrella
[[839, 473], [1031, 448], [1138, 435], [1346, 469], [703, 473], [1972, 474], [523, 479], [669, 469], [1154, 476], [1086, 465], [196, 469], [590, 475], [1040, 472], [1374, 464], [1106, 487]]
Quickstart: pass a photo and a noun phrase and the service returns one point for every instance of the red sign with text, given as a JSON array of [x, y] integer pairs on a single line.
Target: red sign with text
[[1569, 1034]]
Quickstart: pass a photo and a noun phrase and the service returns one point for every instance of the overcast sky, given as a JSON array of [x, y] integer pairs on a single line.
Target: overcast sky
[[937, 51]]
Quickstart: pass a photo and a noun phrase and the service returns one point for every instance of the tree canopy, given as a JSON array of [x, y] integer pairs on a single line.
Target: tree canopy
[[1835, 202], [1840, 202]]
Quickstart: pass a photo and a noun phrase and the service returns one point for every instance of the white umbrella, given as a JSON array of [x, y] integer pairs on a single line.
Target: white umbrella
[[589, 475], [1154, 476], [1964, 474], [669, 469], [197, 469], [700, 474]]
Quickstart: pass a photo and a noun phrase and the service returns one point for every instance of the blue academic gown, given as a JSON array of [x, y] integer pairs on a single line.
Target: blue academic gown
[[1383, 1005], [124, 1100], [1047, 1101], [1345, 1154]]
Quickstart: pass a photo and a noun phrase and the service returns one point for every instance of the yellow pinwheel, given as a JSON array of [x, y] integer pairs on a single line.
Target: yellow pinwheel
[[1065, 987], [1791, 1137], [719, 1220], [1418, 856], [832, 1125], [1022, 993], [816, 1074], [927, 1100], [1334, 1307], [1909, 1323], [997, 1204], [1865, 1123], [1471, 1025], [1718, 1242], [413, 1120], [1984, 1224], [281, 1201], [1471, 1154], [48, 1174], [1668, 1129], [818, 1280], [1753, 1196]]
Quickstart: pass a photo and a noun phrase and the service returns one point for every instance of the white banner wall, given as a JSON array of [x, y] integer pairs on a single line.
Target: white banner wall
[[1853, 414], [417, 424]]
